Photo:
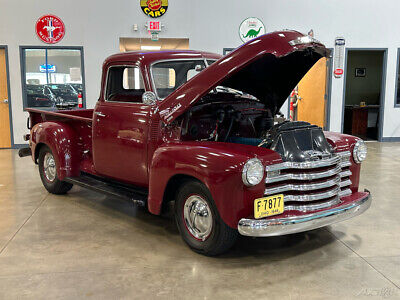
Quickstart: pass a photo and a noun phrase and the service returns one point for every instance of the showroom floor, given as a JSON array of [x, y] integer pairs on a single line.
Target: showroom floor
[[86, 245]]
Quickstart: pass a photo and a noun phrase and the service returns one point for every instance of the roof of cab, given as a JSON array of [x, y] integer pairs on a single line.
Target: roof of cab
[[148, 57]]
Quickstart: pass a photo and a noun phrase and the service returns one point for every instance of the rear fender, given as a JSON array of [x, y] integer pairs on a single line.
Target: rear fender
[[218, 166], [62, 141]]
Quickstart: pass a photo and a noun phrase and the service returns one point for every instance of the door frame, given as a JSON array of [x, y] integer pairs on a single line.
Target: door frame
[[5, 47], [383, 86], [328, 89]]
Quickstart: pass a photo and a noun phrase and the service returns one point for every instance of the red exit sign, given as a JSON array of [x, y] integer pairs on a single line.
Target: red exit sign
[[154, 25]]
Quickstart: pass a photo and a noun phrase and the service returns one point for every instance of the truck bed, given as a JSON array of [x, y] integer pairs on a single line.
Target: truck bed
[[39, 115]]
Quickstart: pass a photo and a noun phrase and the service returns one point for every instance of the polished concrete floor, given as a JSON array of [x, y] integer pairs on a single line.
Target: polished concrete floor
[[86, 245]]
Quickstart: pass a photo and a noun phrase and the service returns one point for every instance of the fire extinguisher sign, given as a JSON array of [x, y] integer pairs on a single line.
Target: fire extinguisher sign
[[338, 57]]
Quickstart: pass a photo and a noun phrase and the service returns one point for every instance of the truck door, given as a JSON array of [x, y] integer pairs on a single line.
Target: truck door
[[120, 127]]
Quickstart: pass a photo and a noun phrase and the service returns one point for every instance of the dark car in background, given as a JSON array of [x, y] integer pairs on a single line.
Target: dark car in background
[[37, 96], [66, 95], [77, 87]]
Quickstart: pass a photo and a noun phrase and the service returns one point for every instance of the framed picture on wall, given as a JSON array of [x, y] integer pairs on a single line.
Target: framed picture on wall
[[361, 72]]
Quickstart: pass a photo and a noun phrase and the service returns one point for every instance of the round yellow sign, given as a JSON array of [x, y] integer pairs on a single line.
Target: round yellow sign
[[154, 8]]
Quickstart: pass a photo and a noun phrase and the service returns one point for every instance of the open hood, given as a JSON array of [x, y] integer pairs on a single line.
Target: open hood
[[268, 67]]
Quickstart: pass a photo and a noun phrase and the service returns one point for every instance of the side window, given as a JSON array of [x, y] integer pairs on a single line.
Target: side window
[[124, 84]]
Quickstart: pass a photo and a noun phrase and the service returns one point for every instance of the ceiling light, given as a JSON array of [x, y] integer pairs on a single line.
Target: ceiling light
[[150, 47]]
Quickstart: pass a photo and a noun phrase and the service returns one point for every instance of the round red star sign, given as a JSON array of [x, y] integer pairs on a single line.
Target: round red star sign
[[50, 29]]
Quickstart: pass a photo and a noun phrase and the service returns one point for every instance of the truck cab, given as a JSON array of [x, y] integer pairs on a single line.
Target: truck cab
[[198, 131]]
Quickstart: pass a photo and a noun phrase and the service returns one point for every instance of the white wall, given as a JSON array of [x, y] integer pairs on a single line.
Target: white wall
[[210, 25]]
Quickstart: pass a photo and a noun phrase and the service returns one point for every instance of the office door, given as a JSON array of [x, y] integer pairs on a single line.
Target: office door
[[312, 91], [5, 135]]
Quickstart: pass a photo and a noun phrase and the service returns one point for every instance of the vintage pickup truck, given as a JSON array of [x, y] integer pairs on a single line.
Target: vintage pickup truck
[[195, 132]]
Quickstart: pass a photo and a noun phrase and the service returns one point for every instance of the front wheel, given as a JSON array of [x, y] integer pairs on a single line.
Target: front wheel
[[48, 173], [199, 222]]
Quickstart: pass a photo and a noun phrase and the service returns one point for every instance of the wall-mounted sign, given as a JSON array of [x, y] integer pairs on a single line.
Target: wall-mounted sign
[[154, 8], [154, 26], [50, 68], [50, 29], [250, 29], [338, 57]]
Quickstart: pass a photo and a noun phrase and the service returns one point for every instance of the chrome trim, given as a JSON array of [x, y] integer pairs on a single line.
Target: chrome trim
[[302, 187], [344, 153], [345, 164], [312, 197], [345, 183], [312, 164], [304, 165], [345, 173], [305, 176], [345, 192], [315, 206], [282, 226]]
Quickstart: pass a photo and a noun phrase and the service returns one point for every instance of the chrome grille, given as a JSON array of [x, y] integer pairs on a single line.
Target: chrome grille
[[313, 185]]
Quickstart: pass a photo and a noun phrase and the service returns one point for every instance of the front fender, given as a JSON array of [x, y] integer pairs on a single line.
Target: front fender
[[345, 142], [61, 139], [218, 166]]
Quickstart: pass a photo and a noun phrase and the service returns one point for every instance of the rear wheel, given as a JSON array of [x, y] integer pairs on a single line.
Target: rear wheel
[[48, 173], [199, 223]]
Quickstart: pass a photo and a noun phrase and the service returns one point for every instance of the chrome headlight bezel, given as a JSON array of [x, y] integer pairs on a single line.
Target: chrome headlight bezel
[[360, 151], [253, 172]]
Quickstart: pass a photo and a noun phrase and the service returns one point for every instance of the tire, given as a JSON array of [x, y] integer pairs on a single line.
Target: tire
[[49, 176], [214, 236]]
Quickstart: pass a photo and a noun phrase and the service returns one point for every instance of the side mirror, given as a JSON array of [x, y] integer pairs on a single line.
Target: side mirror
[[199, 68], [149, 98]]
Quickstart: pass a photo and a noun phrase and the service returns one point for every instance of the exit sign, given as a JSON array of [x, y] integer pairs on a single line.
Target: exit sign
[[154, 26]]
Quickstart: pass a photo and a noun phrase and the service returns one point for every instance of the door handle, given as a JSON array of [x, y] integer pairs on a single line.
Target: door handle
[[5, 101], [100, 114]]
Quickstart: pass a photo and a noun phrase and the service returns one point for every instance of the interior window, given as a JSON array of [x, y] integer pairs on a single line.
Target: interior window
[[124, 84], [52, 78]]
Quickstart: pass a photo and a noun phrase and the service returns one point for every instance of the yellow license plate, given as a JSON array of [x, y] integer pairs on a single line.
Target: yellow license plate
[[268, 206]]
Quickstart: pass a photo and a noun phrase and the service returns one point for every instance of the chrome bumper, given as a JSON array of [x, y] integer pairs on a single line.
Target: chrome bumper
[[282, 226]]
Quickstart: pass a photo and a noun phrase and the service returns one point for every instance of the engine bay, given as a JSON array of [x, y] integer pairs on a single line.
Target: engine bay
[[242, 119]]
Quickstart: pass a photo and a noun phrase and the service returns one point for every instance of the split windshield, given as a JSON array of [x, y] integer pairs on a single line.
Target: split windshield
[[170, 75]]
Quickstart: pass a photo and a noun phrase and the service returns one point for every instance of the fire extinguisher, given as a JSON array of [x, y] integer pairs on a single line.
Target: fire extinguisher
[[294, 98], [80, 102]]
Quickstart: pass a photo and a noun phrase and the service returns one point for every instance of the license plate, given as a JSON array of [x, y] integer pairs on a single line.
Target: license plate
[[268, 206]]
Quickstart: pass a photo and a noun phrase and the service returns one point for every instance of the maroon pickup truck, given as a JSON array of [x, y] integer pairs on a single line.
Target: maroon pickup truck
[[197, 130]]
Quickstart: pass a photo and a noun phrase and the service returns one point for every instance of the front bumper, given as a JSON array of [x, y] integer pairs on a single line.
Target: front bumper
[[294, 224]]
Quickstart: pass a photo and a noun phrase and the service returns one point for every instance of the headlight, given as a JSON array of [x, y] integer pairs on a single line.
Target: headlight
[[253, 172], [360, 151]]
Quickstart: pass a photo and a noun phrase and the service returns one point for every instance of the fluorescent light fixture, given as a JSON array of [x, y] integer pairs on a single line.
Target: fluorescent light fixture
[[150, 47]]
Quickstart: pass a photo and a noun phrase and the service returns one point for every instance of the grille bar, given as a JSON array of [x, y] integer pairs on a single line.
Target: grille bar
[[344, 183], [344, 193], [339, 157], [311, 207], [304, 176], [303, 187], [312, 197]]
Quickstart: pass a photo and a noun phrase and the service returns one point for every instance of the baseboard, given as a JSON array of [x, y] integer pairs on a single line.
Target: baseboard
[[391, 139], [19, 146]]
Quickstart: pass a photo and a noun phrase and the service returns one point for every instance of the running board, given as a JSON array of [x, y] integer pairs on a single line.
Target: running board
[[127, 192]]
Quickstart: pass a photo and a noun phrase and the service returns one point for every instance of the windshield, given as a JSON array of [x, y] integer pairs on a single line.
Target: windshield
[[169, 75]]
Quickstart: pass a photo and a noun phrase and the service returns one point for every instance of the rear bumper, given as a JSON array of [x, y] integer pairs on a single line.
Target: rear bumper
[[288, 225]]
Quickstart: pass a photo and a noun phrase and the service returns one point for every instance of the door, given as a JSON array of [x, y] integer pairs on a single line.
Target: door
[[5, 134], [120, 128], [312, 90]]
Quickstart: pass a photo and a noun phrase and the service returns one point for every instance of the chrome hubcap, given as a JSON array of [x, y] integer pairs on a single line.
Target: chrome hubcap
[[49, 166], [197, 216]]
